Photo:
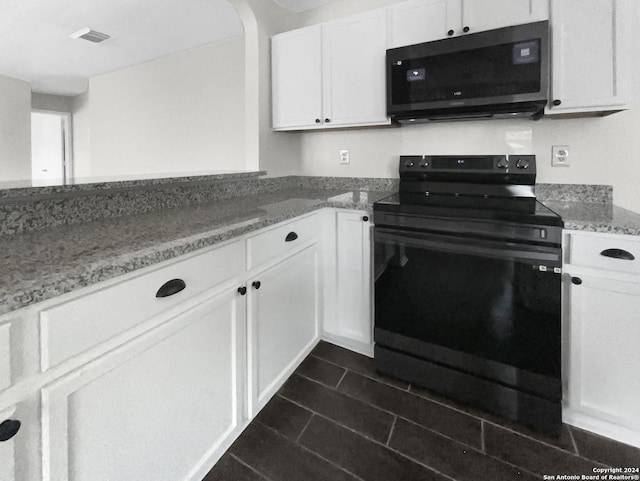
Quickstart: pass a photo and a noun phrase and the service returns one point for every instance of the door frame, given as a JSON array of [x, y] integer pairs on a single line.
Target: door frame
[[67, 142]]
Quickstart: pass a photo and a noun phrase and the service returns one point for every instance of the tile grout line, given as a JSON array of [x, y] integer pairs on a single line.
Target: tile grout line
[[305, 427], [249, 467], [483, 447], [311, 451], [350, 396], [573, 441], [343, 376], [483, 420], [395, 419]]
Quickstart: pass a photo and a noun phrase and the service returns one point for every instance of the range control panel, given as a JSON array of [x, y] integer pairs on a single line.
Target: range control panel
[[500, 168]]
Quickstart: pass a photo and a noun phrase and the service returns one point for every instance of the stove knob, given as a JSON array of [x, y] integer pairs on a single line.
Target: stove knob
[[522, 164], [409, 163], [424, 164], [503, 163]]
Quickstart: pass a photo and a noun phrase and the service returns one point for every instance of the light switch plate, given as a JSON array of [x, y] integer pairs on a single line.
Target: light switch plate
[[560, 156], [345, 157]]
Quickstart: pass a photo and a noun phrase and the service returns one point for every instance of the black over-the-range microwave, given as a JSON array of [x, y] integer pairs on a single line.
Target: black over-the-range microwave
[[502, 73]]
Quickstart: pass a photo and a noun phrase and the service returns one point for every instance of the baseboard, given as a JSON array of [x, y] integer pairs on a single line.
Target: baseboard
[[364, 348], [603, 428]]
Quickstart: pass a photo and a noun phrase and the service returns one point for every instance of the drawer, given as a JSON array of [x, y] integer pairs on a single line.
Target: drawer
[[268, 245], [596, 251], [5, 356], [75, 326]]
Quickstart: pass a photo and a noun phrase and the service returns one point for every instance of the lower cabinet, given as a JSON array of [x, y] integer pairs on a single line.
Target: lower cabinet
[[284, 315], [19, 453], [161, 407], [602, 329], [348, 290]]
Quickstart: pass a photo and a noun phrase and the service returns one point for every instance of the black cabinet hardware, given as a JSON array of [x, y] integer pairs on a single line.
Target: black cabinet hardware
[[256, 284], [9, 429], [242, 290], [557, 102], [318, 121], [291, 236], [365, 218], [171, 287], [618, 254], [450, 33], [576, 280], [327, 120], [465, 29]]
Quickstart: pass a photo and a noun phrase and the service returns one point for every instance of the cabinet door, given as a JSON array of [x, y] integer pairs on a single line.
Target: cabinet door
[[161, 407], [20, 454], [604, 333], [354, 52], [590, 43], [297, 79], [479, 15], [354, 277], [419, 21], [283, 322]]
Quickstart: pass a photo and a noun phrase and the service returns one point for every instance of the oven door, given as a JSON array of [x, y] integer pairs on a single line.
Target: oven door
[[483, 307]]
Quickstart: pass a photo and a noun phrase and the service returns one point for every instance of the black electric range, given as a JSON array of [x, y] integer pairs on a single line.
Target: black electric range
[[467, 285]]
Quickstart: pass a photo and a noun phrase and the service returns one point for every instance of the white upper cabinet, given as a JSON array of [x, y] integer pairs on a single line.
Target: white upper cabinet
[[354, 70], [331, 75], [479, 15], [590, 55], [297, 78], [420, 21]]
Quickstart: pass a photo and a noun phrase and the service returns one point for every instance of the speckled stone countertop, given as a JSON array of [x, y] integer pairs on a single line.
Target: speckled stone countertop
[[596, 217], [40, 265]]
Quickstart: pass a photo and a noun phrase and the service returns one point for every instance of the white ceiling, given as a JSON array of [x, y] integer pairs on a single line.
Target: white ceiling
[[302, 5], [35, 43]]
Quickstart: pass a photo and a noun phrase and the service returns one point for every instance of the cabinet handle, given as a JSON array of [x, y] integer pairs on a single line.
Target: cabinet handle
[[327, 120], [171, 287], [618, 254], [365, 218], [466, 29], [291, 236], [256, 284], [9, 429], [450, 33], [557, 102], [576, 280], [242, 290], [318, 121]]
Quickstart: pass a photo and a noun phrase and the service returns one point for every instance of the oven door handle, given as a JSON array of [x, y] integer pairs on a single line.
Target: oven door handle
[[532, 254]]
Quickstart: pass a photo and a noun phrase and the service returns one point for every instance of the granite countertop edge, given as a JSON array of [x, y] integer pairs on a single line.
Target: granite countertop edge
[[68, 280]]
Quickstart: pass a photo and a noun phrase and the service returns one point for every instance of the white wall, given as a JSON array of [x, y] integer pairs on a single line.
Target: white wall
[[603, 150], [178, 114], [15, 129], [56, 103]]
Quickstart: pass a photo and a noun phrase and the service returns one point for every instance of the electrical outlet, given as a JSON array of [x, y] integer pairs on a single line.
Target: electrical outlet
[[345, 157], [560, 156]]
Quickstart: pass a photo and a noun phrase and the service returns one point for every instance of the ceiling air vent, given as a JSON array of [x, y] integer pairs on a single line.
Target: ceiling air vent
[[90, 35]]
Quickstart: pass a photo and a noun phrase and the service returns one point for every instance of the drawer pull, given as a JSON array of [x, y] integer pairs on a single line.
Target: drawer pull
[[291, 236], [256, 284], [171, 287], [618, 254], [576, 280], [9, 429], [242, 290]]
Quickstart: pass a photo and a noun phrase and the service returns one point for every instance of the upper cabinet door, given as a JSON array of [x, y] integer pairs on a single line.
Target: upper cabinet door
[[297, 78], [354, 52], [419, 21], [479, 15], [590, 48]]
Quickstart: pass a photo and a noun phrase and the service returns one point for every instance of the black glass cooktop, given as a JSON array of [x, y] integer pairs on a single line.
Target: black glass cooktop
[[527, 210]]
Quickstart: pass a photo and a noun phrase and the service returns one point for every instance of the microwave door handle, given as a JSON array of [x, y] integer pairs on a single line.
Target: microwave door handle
[[531, 255]]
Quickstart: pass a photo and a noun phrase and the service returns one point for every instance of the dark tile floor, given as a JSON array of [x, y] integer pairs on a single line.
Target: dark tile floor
[[337, 419]]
